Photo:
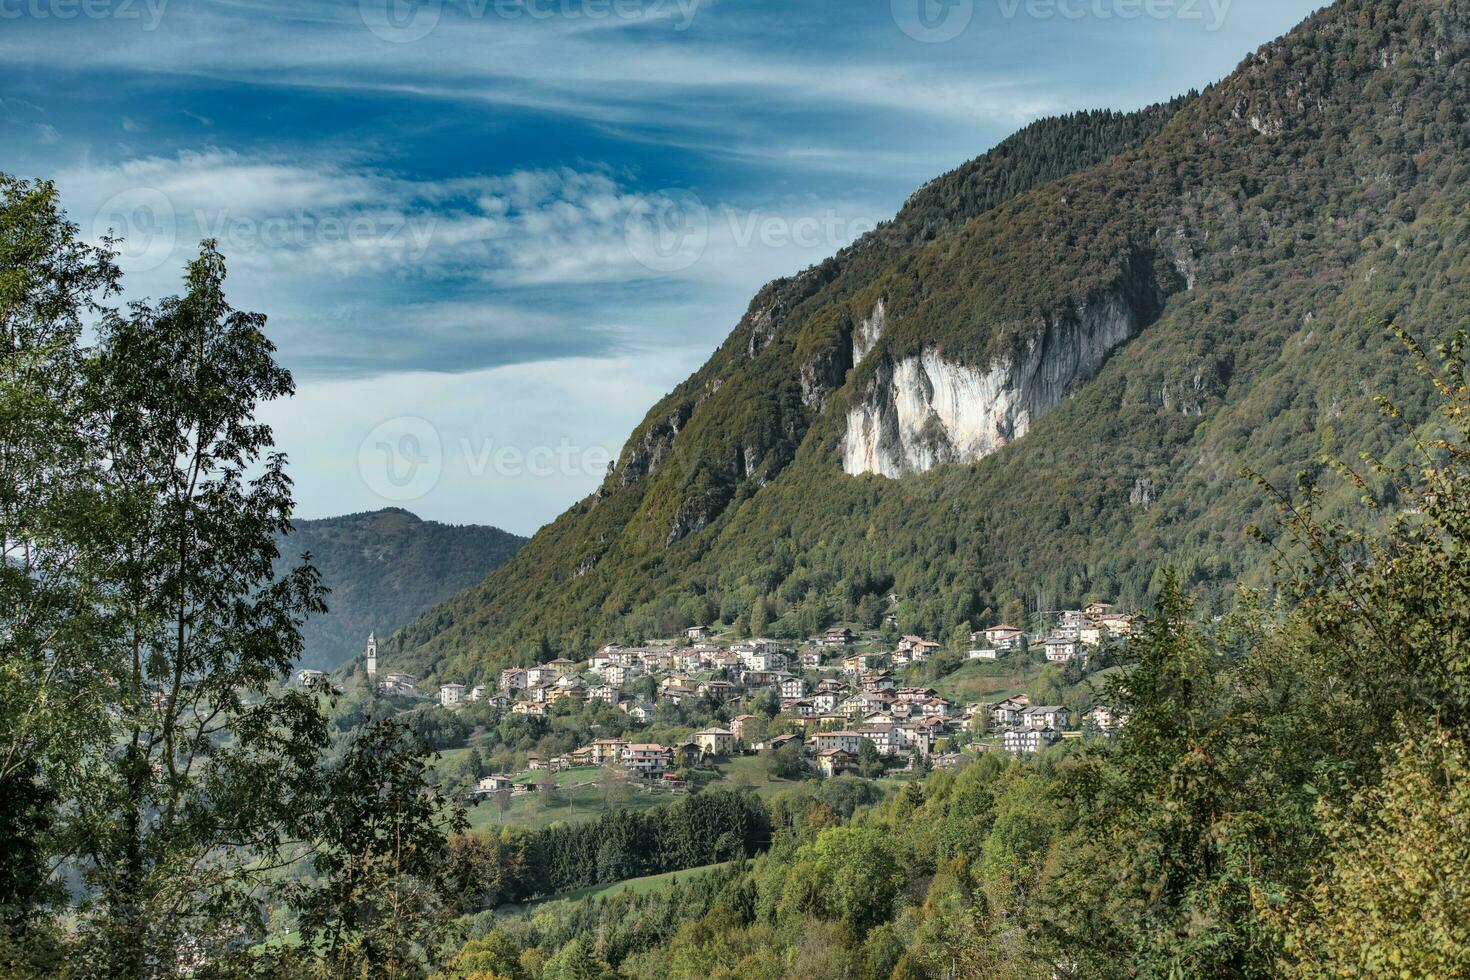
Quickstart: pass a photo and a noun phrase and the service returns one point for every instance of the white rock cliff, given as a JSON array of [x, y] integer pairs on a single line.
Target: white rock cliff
[[924, 411]]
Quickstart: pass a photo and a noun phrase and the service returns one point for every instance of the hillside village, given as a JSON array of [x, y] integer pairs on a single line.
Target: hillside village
[[839, 702]]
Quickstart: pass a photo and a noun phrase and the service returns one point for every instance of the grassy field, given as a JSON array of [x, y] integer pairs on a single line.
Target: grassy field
[[578, 797], [984, 680]]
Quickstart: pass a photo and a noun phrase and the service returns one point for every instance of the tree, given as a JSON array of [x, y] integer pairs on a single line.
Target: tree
[[546, 787], [870, 763], [184, 823], [491, 957], [613, 785], [760, 616], [1389, 897], [576, 961], [385, 890], [858, 872], [784, 763], [53, 682]]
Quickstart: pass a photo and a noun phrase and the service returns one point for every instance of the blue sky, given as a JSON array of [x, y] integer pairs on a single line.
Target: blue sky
[[490, 233]]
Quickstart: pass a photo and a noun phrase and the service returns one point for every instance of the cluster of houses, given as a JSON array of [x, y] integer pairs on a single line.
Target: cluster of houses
[[857, 698], [1025, 728], [1075, 632]]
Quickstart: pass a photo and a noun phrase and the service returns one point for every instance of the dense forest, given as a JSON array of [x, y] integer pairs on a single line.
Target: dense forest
[[1264, 231], [385, 568]]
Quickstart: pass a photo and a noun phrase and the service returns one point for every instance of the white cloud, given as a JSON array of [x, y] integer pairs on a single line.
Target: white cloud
[[514, 445], [309, 221]]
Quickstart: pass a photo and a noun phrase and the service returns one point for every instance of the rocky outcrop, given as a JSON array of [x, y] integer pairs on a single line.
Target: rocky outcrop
[[1143, 493], [922, 411], [642, 457], [869, 332], [823, 375], [827, 371]]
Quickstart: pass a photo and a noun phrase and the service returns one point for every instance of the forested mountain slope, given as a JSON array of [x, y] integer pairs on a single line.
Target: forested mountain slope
[[1046, 374], [385, 568]]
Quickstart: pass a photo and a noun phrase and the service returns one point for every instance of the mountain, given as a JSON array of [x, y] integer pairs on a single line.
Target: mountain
[[386, 568], [1046, 378]]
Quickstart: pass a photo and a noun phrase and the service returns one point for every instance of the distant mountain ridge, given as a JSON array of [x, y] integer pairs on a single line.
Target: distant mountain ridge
[[386, 568], [1043, 380]]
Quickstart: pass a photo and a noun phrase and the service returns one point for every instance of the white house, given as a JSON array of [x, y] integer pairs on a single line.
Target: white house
[[1003, 637], [1060, 649], [648, 758], [641, 712], [1028, 741], [885, 736], [1004, 714], [451, 694], [1052, 716], [764, 661], [493, 784], [620, 675], [845, 740]]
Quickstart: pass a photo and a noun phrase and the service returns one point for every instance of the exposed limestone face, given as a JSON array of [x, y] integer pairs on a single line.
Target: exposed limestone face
[[868, 333], [923, 411]]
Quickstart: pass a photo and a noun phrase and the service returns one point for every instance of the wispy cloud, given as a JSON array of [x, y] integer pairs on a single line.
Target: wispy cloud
[[638, 72], [365, 271], [534, 216]]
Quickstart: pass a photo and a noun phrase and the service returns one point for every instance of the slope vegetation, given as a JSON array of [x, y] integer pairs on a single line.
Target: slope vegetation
[[1240, 250], [386, 568]]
